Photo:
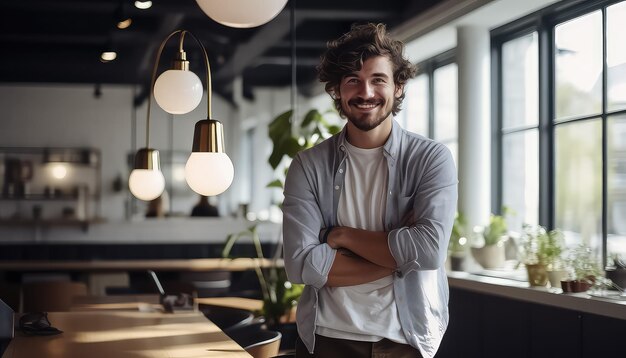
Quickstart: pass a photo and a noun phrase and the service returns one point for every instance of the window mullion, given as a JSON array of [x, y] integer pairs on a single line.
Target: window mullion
[[546, 127]]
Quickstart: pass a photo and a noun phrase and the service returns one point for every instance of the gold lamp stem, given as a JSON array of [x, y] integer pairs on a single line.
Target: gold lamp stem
[[181, 63]]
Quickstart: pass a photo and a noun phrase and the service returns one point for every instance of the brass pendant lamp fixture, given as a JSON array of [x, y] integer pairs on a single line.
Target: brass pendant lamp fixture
[[209, 171]]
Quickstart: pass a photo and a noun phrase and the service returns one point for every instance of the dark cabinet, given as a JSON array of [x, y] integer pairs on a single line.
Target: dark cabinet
[[484, 325]]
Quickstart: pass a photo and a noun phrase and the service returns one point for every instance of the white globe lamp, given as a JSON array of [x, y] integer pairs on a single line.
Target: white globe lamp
[[242, 13], [178, 91], [146, 182], [209, 173]]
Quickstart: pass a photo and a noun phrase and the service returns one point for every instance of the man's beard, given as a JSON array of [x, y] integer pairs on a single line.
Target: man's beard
[[362, 122]]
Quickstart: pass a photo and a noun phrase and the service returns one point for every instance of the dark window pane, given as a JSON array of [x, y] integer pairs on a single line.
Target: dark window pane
[[579, 66], [616, 181], [414, 115], [616, 56], [520, 80], [445, 82], [520, 178], [578, 182]]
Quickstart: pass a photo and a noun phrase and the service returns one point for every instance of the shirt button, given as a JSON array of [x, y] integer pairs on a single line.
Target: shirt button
[[340, 171], [336, 187], [389, 192]]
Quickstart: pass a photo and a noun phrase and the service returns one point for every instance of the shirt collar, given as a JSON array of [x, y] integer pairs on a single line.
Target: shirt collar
[[390, 148]]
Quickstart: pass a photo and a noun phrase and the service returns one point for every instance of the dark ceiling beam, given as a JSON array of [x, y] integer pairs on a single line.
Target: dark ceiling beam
[[262, 40], [335, 14], [302, 44], [285, 61]]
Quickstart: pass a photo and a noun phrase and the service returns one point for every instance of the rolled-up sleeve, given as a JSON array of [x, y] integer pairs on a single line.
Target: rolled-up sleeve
[[421, 243], [307, 261]]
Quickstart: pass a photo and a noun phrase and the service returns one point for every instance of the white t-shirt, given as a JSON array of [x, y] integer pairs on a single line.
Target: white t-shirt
[[365, 312]]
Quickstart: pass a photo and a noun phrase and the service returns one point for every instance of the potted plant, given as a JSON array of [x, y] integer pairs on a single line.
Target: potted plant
[[458, 247], [491, 254], [584, 268], [541, 252], [279, 295]]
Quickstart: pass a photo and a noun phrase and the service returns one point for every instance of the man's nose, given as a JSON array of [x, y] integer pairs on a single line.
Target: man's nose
[[366, 90]]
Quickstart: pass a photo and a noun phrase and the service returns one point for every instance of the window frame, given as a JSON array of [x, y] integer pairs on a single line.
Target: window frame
[[544, 22]]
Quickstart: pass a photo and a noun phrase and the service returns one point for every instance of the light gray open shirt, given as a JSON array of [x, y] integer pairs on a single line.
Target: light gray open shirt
[[420, 209]]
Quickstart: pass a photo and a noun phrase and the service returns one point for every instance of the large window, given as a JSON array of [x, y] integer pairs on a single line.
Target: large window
[[430, 106], [561, 117]]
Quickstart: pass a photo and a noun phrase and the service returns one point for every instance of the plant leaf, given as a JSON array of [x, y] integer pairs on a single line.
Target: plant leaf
[[275, 184]]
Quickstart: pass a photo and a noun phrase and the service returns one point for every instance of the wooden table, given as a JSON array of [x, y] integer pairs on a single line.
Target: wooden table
[[127, 335], [141, 302], [213, 264]]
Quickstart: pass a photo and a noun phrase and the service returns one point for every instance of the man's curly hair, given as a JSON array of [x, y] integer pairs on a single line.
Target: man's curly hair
[[347, 54]]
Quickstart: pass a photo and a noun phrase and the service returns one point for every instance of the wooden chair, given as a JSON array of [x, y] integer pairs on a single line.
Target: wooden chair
[[256, 340], [226, 318], [6, 326], [50, 296]]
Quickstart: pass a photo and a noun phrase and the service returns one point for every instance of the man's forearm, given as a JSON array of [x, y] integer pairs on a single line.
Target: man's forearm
[[349, 269], [370, 245]]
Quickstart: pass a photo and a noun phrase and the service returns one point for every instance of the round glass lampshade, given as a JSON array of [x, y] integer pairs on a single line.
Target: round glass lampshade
[[178, 91], [209, 173], [146, 184], [242, 13]]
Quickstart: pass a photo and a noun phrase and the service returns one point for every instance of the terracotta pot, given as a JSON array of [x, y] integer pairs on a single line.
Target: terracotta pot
[[537, 275], [575, 285]]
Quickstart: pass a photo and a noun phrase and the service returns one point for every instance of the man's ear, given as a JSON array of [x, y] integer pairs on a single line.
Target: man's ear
[[399, 90]]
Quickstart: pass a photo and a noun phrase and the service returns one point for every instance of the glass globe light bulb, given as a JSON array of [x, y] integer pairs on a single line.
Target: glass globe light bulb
[[146, 184], [209, 173], [178, 91], [242, 13]]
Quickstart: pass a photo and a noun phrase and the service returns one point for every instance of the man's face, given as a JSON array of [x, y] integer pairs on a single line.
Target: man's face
[[367, 95]]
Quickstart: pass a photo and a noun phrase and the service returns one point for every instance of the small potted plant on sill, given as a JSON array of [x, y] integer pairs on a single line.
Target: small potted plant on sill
[[458, 247], [584, 268], [541, 253], [491, 254]]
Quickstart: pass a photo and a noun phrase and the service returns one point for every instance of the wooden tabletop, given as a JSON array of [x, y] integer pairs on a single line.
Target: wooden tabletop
[[212, 264], [125, 334], [140, 302]]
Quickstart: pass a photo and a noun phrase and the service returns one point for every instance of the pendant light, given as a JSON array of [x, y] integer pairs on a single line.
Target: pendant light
[[242, 13], [209, 171]]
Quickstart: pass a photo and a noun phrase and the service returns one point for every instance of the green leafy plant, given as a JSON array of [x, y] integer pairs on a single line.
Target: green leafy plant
[[496, 230], [584, 264], [458, 236], [279, 295], [288, 139], [540, 246]]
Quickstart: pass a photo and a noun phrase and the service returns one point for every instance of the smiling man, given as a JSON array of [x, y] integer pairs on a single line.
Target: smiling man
[[368, 215]]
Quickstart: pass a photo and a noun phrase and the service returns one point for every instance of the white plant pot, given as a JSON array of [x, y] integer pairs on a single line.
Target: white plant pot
[[556, 276], [490, 256]]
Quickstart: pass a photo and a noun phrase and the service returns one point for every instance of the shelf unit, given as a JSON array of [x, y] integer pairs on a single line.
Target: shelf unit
[[46, 187]]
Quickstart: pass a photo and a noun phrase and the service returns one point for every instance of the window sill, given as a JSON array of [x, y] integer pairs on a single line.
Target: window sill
[[518, 290]]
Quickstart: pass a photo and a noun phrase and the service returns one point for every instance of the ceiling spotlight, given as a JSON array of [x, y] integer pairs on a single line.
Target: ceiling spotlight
[[143, 4], [108, 56], [122, 19]]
